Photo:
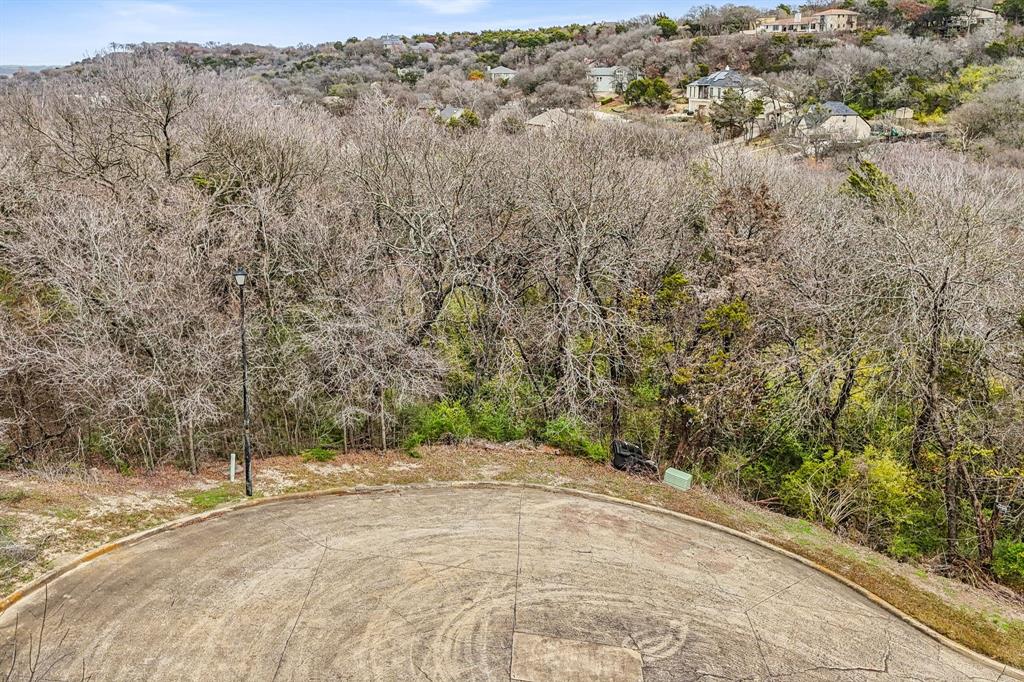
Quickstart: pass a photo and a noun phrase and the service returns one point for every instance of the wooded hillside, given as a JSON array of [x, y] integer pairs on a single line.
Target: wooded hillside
[[844, 344]]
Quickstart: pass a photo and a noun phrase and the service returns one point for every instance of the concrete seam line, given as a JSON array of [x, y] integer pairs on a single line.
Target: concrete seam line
[[16, 596]]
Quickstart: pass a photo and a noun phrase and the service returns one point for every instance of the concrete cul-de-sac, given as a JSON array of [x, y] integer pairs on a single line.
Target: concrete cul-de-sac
[[463, 583]]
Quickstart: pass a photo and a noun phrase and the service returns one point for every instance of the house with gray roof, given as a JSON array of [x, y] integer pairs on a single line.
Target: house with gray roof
[[704, 92], [551, 118], [501, 73], [834, 120], [608, 79], [554, 118], [449, 113], [393, 42]]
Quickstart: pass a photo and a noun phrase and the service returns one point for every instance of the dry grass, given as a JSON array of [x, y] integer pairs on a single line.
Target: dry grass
[[64, 516]]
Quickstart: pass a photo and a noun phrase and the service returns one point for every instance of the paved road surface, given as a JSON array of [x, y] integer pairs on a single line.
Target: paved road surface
[[461, 584]]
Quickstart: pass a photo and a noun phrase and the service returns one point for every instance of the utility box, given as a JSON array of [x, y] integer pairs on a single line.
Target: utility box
[[680, 480]]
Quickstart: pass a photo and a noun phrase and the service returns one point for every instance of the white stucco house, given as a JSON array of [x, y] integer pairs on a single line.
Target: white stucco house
[[608, 79], [501, 73], [826, 21], [835, 120]]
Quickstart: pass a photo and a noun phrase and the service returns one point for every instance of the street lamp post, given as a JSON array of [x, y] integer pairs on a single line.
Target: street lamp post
[[240, 277]]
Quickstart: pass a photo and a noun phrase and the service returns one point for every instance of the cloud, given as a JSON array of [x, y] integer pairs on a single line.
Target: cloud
[[452, 6]]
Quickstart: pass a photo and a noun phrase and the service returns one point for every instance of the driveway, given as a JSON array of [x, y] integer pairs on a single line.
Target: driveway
[[459, 584]]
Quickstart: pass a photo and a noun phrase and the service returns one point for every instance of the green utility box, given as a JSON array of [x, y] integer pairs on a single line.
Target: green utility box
[[679, 480]]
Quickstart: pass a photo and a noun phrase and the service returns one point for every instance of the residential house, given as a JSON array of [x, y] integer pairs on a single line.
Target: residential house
[[712, 89], [609, 79], [826, 21], [903, 114], [703, 92], [553, 118], [977, 17], [550, 119], [450, 113], [836, 121], [393, 42], [501, 73]]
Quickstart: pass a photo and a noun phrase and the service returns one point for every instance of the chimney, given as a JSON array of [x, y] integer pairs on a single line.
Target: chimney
[[796, 17]]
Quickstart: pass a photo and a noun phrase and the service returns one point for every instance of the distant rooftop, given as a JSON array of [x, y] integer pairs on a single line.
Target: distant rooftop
[[550, 118], [726, 78], [839, 109], [799, 18], [449, 113]]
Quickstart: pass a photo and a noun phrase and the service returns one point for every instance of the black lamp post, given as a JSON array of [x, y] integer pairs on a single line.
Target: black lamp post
[[240, 276]]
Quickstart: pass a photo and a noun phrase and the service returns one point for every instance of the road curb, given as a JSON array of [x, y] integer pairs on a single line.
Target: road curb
[[1002, 670]]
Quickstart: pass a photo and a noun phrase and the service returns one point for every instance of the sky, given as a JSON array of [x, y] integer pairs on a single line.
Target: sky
[[55, 32]]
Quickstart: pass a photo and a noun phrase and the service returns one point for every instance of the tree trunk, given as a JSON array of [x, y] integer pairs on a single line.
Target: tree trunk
[[383, 427], [949, 492], [193, 460], [925, 425], [844, 397]]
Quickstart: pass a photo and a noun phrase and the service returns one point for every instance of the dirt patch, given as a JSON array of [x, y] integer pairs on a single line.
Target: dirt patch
[[327, 470]]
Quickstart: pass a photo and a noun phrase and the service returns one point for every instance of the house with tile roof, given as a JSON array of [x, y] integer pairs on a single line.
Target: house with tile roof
[[826, 21]]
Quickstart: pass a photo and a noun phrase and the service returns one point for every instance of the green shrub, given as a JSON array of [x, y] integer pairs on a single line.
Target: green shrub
[[496, 422], [997, 50], [318, 454], [411, 443], [777, 456], [1008, 562], [807, 491], [569, 435], [468, 119], [446, 420], [649, 92], [922, 532], [870, 492], [668, 26]]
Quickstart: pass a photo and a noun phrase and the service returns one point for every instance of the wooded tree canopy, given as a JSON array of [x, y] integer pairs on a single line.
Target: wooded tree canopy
[[844, 344]]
